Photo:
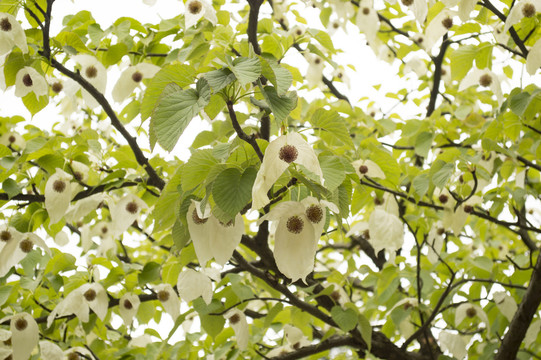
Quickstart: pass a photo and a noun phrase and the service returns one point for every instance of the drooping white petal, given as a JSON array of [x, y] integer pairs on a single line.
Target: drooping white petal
[[24, 335], [225, 238], [149, 2], [73, 303], [200, 229], [7, 235], [50, 351], [98, 301], [196, 9], [518, 12], [485, 78], [420, 10], [192, 284], [128, 306], [12, 138], [28, 80], [132, 78], [83, 207], [367, 21], [314, 73], [125, 212], [17, 248], [470, 310], [357, 228], [169, 299], [57, 195], [95, 73], [453, 343], [15, 36], [532, 333], [386, 231], [436, 28], [533, 62], [369, 168], [435, 243], [506, 304], [465, 8], [238, 322]]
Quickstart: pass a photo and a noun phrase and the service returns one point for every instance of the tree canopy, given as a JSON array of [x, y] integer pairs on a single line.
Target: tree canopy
[[311, 220]]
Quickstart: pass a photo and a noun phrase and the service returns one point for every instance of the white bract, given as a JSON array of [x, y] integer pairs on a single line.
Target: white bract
[[57, 195], [125, 212], [438, 27], [212, 238], [29, 80], [520, 10], [386, 231], [453, 343], [131, 78], [484, 78], [281, 152], [314, 73], [11, 34], [83, 207], [80, 301], [368, 168], [368, 21], [95, 73], [295, 239], [128, 306], [238, 322], [50, 351], [24, 335], [192, 284], [16, 249], [196, 9], [169, 299], [471, 311], [506, 304], [12, 139], [533, 61], [419, 8]]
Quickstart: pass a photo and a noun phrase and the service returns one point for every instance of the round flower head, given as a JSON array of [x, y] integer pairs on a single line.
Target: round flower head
[[127, 307], [484, 78], [522, 9], [192, 284], [57, 195], [94, 72], [11, 34], [295, 239], [438, 27], [169, 299], [24, 335], [29, 80], [131, 78], [12, 139], [17, 248], [212, 238], [125, 212], [238, 322], [80, 301], [281, 152], [196, 9]]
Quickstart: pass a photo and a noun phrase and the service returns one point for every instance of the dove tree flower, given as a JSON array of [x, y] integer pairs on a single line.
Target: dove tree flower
[[128, 306], [169, 299], [30, 80], [58, 195], [125, 212], [50, 351], [314, 73], [197, 9], [13, 139], [386, 231], [16, 249], [419, 8], [131, 78], [367, 168], [438, 27], [367, 21], [95, 73], [533, 61], [11, 34], [80, 301], [281, 152], [520, 10], [24, 335], [212, 238], [238, 322], [484, 78], [192, 284]]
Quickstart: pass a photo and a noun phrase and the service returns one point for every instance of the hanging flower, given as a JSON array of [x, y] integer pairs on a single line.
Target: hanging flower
[[57, 195], [438, 27], [368, 168], [29, 80], [386, 231], [128, 306], [125, 212], [83, 207], [77, 352], [520, 10], [80, 301], [169, 299], [343, 9], [470, 311], [368, 21], [506, 304], [212, 238], [341, 75], [196, 9], [315, 211], [295, 340], [131, 78], [11, 34], [50, 351], [94, 72], [416, 65], [453, 343], [192, 284], [17, 248], [465, 8], [297, 31], [533, 61], [24, 335], [455, 219], [419, 7], [13, 139], [238, 322], [314, 73], [295, 239], [484, 78], [281, 152]]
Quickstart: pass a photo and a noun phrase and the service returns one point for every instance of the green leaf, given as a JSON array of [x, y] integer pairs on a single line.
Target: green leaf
[[175, 111], [520, 102], [4, 151], [232, 190], [280, 106], [366, 330], [180, 74], [323, 38], [462, 61], [181, 236], [333, 170], [331, 127], [212, 324], [440, 177], [66, 38], [218, 79], [114, 53], [246, 70], [345, 318], [34, 104], [280, 77], [421, 184], [150, 273], [10, 187], [423, 142], [196, 170], [5, 291], [60, 262]]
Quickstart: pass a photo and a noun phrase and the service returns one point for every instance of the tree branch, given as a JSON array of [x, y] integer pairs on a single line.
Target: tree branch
[[240, 133], [438, 61], [252, 24]]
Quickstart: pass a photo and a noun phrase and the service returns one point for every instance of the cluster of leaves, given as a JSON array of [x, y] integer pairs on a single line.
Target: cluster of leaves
[[453, 165]]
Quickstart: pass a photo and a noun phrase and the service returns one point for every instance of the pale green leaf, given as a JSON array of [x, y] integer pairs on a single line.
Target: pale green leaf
[[232, 190], [331, 127]]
